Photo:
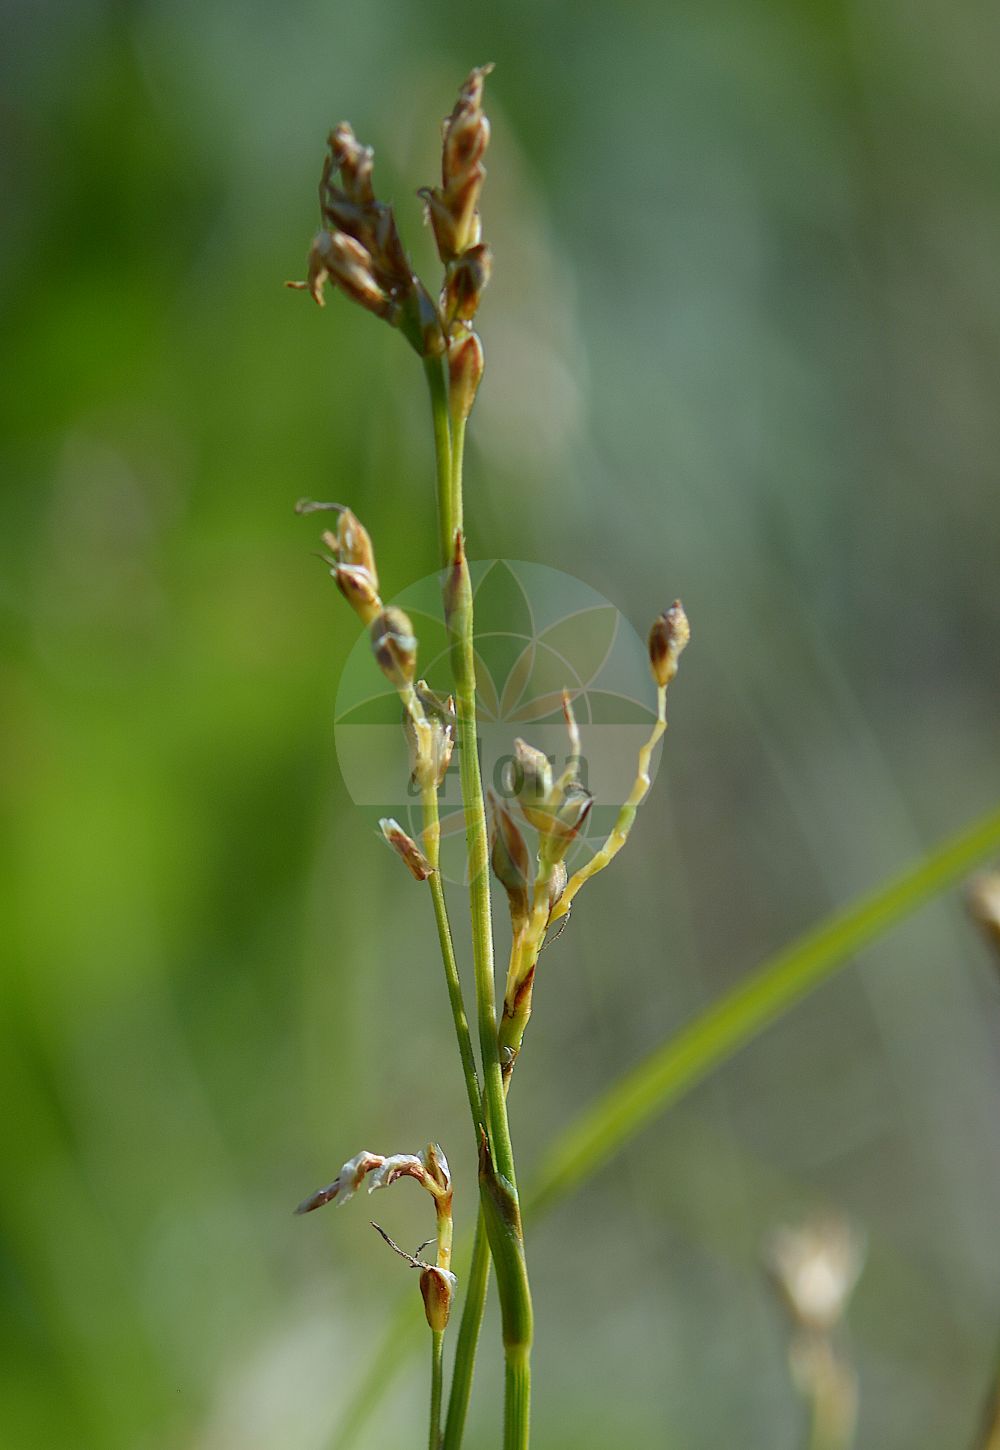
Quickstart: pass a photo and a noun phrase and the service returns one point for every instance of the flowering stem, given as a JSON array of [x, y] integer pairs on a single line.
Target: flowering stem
[[626, 816], [447, 522], [432, 850], [833, 1395], [498, 1182], [465, 1351], [455, 489], [468, 1338], [437, 1365]]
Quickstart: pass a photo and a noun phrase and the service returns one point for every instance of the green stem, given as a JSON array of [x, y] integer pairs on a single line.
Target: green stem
[[763, 996], [437, 1369], [833, 1397], [475, 1295], [479, 884], [468, 1338], [437, 378], [498, 1182], [517, 1398], [432, 842], [468, 1333], [457, 461]]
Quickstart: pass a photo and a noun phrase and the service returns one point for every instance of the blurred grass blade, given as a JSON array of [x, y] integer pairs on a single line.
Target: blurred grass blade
[[713, 1037]]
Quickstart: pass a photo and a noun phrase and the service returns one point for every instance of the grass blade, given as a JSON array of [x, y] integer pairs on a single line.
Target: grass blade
[[719, 1032]]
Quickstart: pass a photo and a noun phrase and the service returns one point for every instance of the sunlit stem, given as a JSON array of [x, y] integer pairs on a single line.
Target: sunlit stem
[[830, 1387], [445, 1232]]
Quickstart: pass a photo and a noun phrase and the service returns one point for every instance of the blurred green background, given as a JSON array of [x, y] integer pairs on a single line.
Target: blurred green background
[[743, 340]]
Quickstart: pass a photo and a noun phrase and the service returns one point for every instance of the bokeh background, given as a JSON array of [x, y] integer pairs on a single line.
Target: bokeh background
[[744, 342]]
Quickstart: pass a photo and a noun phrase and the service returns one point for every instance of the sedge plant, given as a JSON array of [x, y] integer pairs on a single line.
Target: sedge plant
[[524, 841]]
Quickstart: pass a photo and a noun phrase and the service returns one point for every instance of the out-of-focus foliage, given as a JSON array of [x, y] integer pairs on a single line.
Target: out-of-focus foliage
[[743, 342]]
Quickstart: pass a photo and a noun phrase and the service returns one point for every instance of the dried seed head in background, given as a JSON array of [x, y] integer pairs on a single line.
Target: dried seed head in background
[[983, 901], [815, 1268]]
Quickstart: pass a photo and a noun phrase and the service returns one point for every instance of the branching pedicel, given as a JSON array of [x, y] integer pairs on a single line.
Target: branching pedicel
[[359, 252]]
